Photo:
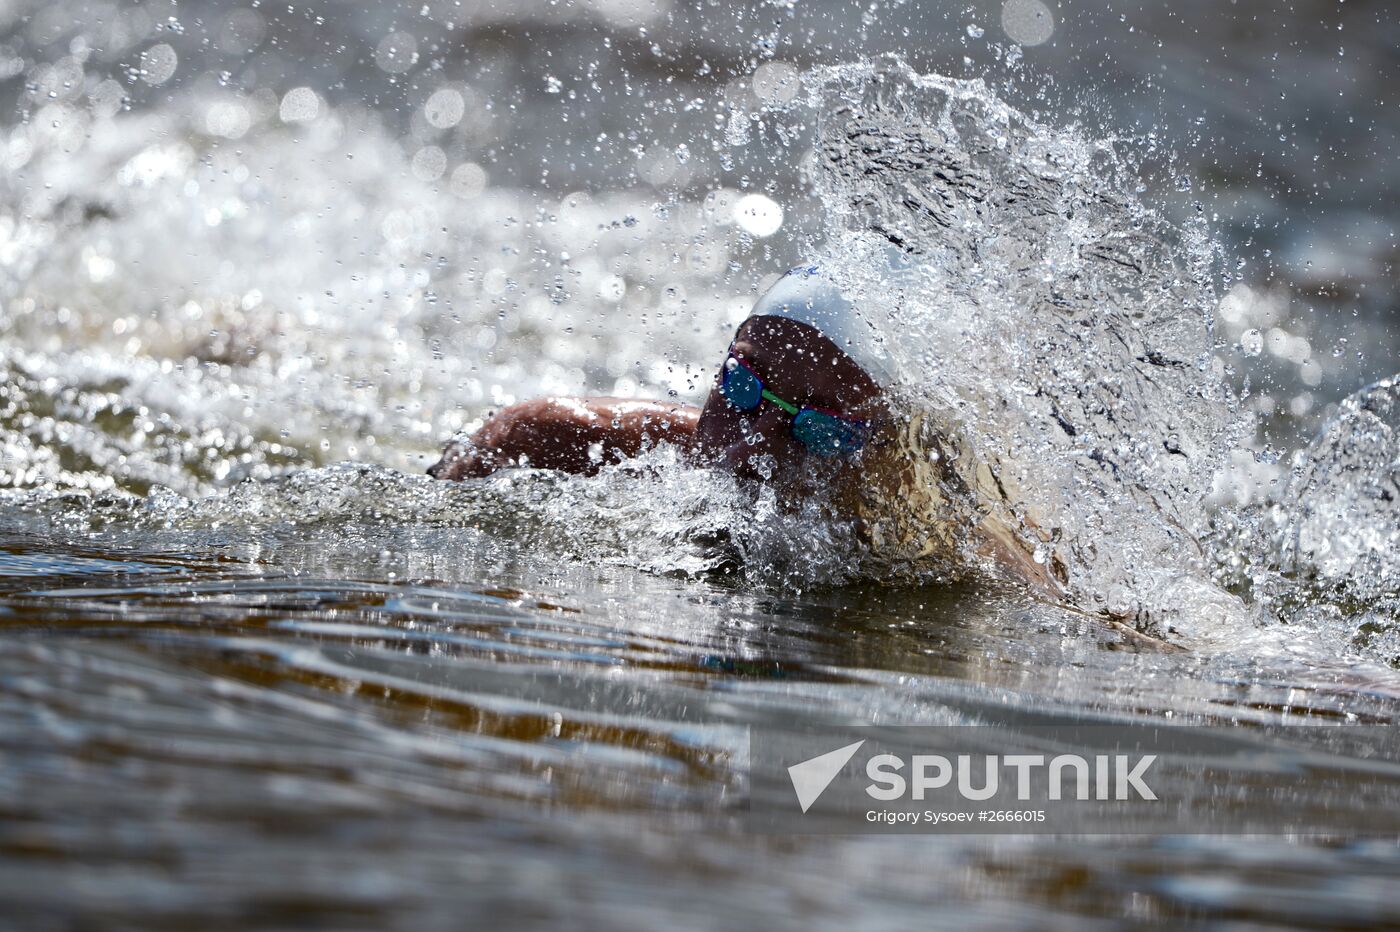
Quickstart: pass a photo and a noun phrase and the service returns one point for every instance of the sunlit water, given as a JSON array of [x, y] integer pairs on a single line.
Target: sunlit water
[[255, 668]]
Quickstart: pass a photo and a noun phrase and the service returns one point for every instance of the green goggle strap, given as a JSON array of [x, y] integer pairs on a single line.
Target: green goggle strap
[[789, 408]]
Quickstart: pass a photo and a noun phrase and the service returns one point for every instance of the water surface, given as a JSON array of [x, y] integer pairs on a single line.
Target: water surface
[[257, 264]]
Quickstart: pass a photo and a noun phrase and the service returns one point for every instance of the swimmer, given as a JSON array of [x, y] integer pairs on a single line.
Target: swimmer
[[796, 382], [801, 383]]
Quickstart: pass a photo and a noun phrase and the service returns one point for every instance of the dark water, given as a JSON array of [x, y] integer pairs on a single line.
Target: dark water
[[361, 726], [240, 687]]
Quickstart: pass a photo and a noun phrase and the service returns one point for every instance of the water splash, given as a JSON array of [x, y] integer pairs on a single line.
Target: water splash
[[1338, 515], [1328, 551], [1057, 330], [1054, 335], [183, 312]]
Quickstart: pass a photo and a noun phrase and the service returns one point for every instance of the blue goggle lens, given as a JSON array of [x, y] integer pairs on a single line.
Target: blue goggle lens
[[827, 435], [824, 434], [740, 387]]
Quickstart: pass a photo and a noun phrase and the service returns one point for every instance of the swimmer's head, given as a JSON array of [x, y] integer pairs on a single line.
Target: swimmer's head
[[807, 295], [803, 343]]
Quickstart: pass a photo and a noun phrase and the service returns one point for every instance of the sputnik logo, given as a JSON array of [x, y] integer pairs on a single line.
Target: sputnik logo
[[811, 777]]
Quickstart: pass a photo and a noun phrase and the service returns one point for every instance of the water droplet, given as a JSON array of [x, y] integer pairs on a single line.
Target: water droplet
[[1252, 342]]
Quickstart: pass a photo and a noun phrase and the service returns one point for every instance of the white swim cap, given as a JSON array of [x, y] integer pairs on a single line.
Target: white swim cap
[[807, 294]]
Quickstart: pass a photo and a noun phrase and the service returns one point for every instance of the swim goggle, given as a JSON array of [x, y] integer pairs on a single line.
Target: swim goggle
[[822, 432]]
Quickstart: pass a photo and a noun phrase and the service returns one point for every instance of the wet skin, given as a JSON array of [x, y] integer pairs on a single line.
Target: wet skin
[[576, 435], [799, 365], [579, 435]]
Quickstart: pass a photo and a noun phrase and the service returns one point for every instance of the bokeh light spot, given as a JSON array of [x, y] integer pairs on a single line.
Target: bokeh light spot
[[775, 82], [299, 104], [445, 108], [758, 215], [1027, 22], [158, 64], [396, 53], [468, 180]]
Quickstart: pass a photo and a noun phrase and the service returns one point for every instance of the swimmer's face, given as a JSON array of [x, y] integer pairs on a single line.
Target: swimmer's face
[[798, 364]]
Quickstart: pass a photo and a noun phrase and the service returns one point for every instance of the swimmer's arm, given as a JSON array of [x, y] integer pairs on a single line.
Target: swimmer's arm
[[576, 435]]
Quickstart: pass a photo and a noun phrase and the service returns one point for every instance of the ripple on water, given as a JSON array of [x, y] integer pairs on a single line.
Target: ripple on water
[[244, 683], [281, 722]]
